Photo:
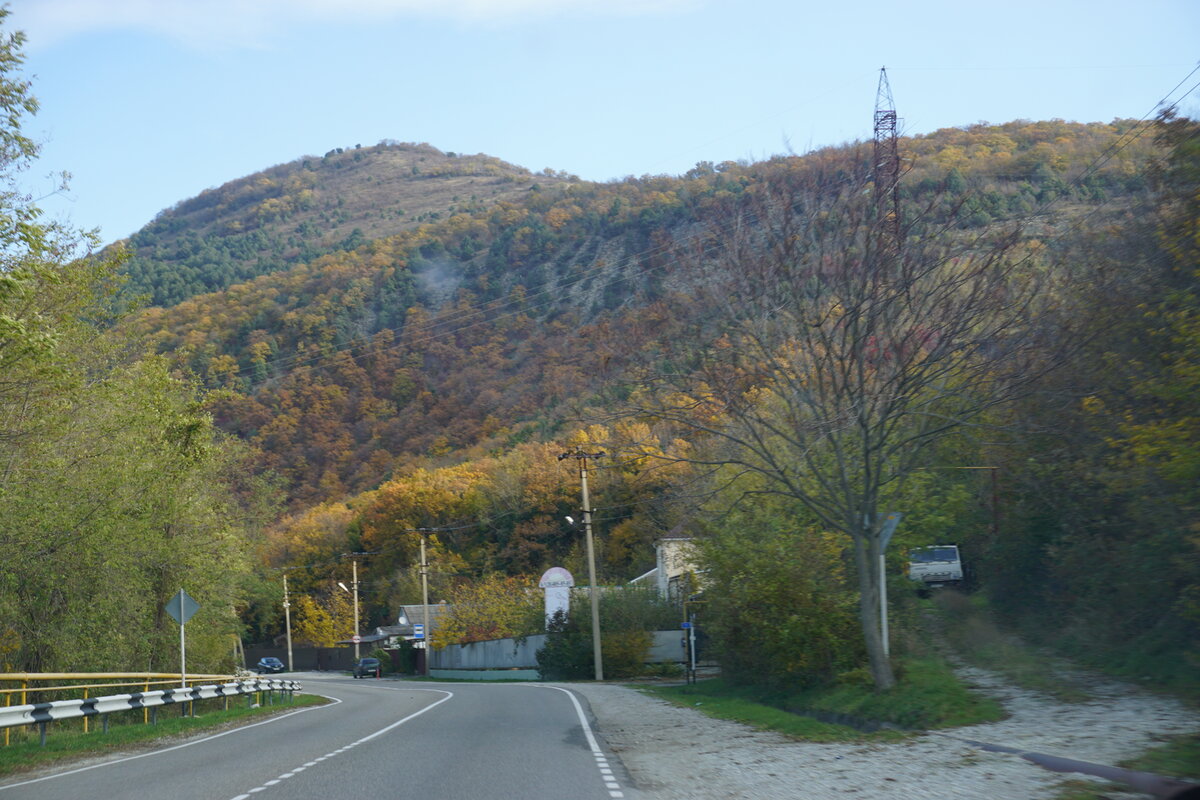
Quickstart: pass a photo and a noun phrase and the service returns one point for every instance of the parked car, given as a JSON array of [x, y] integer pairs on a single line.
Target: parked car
[[367, 668], [269, 666]]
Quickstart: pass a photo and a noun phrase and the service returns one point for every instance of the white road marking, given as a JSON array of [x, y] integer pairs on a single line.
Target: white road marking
[[366, 738], [601, 760]]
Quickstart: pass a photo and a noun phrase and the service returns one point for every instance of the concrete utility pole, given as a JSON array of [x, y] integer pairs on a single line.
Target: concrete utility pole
[[354, 564], [425, 588], [287, 616], [582, 458], [354, 582], [425, 598]]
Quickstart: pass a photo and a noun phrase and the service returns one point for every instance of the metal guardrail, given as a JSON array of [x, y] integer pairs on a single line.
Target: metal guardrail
[[43, 713]]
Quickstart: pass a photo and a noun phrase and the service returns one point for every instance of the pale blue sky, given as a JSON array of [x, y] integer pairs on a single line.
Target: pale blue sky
[[149, 102]]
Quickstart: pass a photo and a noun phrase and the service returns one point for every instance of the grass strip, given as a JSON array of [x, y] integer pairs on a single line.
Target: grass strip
[[66, 741], [926, 696], [1177, 757], [716, 699]]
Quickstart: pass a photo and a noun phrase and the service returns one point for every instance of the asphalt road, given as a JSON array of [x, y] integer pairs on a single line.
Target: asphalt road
[[380, 739]]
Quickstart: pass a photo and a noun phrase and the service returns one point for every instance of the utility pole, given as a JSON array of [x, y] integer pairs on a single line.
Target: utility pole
[[424, 589], [582, 458], [354, 583], [425, 597], [354, 564], [287, 616]]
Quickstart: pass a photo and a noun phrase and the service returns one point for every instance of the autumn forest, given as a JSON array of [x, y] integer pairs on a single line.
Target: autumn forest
[[318, 359]]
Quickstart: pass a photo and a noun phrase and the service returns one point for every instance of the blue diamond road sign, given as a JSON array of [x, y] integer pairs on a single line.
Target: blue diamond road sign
[[181, 607]]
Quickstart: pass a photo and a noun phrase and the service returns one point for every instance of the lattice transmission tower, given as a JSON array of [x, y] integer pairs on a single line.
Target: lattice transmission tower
[[887, 166]]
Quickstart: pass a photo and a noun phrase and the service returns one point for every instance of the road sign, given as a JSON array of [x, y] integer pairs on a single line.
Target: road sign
[[419, 631], [685, 625], [181, 607], [356, 638], [890, 521]]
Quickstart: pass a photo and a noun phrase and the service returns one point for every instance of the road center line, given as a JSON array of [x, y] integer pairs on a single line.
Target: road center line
[[366, 738]]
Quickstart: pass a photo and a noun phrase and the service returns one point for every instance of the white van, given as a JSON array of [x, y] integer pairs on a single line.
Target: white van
[[935, 566]]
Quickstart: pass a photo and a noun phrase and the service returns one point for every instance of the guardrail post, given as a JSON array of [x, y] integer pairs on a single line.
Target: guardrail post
[[42, 726], [104, 722], [154, 716]]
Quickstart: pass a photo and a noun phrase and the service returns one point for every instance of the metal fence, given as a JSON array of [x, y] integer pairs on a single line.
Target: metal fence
[[89, 704]]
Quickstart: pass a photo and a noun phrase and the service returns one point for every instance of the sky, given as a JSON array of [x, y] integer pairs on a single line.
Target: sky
[[149, 102]]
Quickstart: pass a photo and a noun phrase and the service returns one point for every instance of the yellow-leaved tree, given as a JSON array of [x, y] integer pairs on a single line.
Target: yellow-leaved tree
[[492, 607]]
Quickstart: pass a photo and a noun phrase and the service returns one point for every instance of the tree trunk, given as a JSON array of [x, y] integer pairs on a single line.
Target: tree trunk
[[866, 558]]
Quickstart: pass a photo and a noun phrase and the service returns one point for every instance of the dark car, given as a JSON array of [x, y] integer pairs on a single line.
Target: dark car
[[269, 666], [367, 668]]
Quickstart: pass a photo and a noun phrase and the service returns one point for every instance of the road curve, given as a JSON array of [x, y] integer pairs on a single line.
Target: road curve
[[378, 739]]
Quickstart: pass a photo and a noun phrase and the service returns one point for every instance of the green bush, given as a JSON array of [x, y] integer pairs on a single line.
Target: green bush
[[626, 619]]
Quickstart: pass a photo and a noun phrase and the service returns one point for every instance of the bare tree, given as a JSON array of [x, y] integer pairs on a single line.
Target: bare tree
[[828, 355]]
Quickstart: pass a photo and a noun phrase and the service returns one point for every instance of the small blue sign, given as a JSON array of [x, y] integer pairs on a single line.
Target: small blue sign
[[685, 625], [419, 631]]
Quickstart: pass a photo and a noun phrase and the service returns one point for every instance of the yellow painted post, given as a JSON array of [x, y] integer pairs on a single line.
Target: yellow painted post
[[7, 702], [85, 719], [146, 711]]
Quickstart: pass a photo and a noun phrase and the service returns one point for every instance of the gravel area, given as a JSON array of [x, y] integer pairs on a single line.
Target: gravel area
[[671, 752]]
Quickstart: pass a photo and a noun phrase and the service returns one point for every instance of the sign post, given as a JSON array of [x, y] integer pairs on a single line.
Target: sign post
[[181, 607], [887, 528]]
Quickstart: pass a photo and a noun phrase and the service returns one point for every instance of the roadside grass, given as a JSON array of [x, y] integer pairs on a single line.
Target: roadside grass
[[963, 623], [66, 741], [926, 696], [1177, 757], [718, 699]]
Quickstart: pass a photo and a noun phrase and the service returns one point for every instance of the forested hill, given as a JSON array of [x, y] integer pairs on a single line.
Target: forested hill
[[292, 213], [476, 325]]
